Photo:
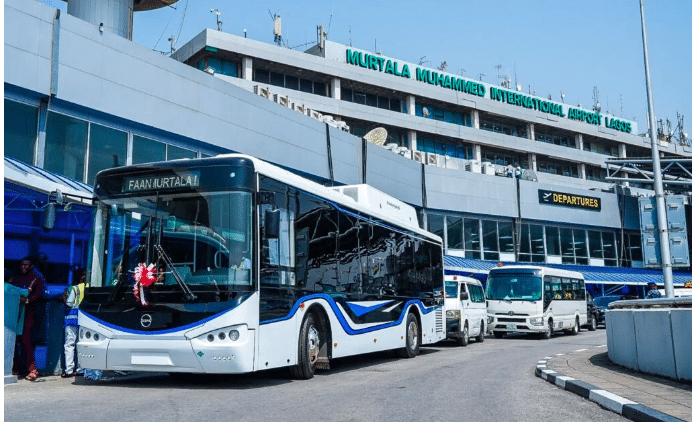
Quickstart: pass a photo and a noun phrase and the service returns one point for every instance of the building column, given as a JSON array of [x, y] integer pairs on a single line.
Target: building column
[[532, 162], [411, 105], [579, 139], [247, 68], [336, 88], [477, 152], [531, 131], [475, 119], [582, 171], [412, 140], [40, 148], [622, 153]]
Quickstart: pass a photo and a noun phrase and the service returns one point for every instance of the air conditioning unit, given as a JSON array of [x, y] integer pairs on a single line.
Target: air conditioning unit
[[452, 163], [300, 108], [418, 156], [315, 114], [432, 159], [343, 126], [473, 166], [264, 92], [284, 101], [390, 146], [488, 168]]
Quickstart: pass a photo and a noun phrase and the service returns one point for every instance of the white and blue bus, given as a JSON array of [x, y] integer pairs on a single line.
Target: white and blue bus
[[532, 299], [232, 265]]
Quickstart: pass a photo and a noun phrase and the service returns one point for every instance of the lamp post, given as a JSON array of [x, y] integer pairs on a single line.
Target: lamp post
[[658, 183]]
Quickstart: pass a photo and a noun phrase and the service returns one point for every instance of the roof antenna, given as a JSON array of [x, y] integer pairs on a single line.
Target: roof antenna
[[276, 18], [219, 23]]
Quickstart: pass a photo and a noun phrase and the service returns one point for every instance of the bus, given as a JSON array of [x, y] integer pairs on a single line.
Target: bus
[[232, 265], [532, 299]]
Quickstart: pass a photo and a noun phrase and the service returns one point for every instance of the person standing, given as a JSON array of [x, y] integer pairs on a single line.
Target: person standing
[[35, 283], [653, 292], [73, 297]]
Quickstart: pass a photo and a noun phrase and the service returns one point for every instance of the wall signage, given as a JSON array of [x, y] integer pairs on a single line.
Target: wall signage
[[188, 179], [569, 200], [381, 64]]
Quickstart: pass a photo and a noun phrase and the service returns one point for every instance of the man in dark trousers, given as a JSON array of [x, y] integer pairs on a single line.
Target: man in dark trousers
[[34, 282]]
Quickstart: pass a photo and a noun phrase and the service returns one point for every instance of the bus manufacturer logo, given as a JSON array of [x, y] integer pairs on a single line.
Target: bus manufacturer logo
[[510, 313], [145, 320]]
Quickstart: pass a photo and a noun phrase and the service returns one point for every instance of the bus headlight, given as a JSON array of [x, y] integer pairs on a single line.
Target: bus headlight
[[491, 319], [233, 335], [536, 321], [453, 314]]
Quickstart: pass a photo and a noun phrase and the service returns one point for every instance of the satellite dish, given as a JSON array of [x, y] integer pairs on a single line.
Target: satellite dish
[[376, 136], [529, 175], [426, 112]]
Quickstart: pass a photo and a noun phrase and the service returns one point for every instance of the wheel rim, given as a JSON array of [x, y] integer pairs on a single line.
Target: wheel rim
[[412, 334], [466, 333], [313, 344]]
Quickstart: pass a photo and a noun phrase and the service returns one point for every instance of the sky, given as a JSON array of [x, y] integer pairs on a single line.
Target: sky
[[550, 47]]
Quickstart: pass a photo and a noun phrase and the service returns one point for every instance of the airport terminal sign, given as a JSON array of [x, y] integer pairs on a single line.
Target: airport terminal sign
[[382, 64], [569, 200]]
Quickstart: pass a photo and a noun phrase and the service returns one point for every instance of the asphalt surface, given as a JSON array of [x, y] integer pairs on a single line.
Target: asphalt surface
[[490, 381]]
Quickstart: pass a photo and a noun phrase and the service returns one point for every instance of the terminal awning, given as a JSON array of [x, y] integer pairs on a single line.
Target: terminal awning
[[43, 181], [594, 275]]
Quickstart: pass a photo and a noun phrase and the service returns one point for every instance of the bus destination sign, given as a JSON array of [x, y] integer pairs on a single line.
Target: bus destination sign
[[189, 179], [569, 200]]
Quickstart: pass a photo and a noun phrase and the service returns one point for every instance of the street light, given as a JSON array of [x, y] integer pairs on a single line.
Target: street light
[[658, 183]]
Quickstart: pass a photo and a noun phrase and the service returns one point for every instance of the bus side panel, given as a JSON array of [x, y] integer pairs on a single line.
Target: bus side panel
[[278, 342]]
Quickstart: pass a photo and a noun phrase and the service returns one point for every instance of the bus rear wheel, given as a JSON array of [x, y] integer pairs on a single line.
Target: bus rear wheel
[[576, 328], [481, 335], [309, 343], [412, 338], [593, 323]]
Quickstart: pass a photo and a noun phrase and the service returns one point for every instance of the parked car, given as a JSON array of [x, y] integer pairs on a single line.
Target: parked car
[[466, 309], [602, 303], [591, 313]]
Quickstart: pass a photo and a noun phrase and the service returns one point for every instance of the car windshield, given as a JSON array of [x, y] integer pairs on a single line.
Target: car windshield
[[199, 238], [603, 301], [451, 289], [514, 287]]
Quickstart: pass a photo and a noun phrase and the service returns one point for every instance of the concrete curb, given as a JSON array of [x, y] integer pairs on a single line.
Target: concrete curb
[[621, 406]]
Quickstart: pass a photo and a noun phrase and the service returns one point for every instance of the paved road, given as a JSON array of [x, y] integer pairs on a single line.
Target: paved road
[[491, 381]]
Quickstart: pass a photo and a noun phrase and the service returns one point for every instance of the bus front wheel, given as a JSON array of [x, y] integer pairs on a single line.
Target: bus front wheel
[[546, 335], [412, 338], [464, 338], [308, 348]]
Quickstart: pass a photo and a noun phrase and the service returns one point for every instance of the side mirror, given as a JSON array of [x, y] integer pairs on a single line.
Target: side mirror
[[464, 296], [272, 219], [49, 216]]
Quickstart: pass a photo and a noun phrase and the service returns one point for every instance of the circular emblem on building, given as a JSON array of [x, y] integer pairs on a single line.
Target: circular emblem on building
[[145, 320]]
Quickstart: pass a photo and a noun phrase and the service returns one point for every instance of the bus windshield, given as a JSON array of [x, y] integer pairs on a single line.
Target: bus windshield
[[514, 287], [201, 238], [451, 289]]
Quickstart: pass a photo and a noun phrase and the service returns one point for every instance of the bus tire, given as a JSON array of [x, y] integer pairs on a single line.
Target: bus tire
[[576, 328], [464, 337], [498, 334], [546, 335], [593, 324], [413, 338], [309, 342], [481, 335]]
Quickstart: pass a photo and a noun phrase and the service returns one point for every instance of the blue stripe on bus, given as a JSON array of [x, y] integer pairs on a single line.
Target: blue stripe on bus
[[342, 320]]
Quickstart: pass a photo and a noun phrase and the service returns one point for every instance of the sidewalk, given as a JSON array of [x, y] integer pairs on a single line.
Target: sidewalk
[[637, 396]]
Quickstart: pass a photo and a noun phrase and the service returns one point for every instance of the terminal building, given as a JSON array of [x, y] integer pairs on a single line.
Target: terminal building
[[500, 174]]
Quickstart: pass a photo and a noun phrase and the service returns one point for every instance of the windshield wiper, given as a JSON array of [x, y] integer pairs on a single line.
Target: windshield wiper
[[187, 293]]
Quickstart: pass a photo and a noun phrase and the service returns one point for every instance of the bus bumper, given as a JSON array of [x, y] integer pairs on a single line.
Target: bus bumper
[[517, 325], [195, 355]]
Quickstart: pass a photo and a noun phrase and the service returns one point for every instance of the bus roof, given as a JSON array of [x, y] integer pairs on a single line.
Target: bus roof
[[546, 270]]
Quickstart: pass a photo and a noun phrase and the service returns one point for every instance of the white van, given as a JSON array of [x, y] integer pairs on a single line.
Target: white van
[[466, 311]]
